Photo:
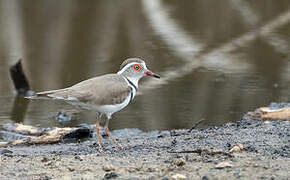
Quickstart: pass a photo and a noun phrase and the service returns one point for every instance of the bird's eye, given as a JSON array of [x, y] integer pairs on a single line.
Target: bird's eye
[[137, 67]]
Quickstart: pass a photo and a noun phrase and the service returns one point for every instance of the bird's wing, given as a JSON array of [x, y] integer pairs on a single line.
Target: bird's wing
[[102, 90]]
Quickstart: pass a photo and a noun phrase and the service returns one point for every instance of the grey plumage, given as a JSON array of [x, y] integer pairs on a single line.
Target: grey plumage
[[102, 90]]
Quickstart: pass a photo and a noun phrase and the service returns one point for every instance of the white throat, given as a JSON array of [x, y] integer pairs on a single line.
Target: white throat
[[133, 79]]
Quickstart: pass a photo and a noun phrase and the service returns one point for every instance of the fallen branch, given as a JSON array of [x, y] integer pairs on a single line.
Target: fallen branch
[[44, 136], [270, 113], [282, 113], [23, 129]]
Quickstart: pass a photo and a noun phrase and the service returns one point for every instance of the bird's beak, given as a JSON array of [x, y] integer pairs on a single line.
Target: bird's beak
[[151, 74]]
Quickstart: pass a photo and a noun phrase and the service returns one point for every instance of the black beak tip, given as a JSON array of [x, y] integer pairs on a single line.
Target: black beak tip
[[156, 76]]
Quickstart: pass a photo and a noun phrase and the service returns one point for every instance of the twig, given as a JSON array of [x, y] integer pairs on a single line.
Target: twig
[[196, 124], [203, 151]]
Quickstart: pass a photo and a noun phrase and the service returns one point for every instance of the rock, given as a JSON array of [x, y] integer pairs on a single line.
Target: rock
[[79, 158], [108, 168], [236, 148], [71, 169], [111, 175], [6, 151], [178, 177], [63, 117], [179, 162], [222, 165]]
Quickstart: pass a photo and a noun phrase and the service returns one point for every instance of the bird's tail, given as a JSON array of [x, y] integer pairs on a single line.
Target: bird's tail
[[45, 94]]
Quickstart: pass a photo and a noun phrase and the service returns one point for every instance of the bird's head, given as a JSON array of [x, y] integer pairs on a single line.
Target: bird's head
[[135, 68]]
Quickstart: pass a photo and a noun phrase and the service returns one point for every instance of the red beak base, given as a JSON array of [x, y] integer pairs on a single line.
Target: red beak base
[[151, 74]]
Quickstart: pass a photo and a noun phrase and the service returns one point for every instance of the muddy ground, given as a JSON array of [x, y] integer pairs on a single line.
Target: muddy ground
[[200, 154]]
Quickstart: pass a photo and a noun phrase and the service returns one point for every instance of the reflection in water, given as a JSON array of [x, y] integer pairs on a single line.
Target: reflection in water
[[217, 59], [19, 108], [252, 18]]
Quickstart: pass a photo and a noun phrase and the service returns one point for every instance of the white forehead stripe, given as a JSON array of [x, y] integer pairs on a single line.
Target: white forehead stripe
[[128, 65]]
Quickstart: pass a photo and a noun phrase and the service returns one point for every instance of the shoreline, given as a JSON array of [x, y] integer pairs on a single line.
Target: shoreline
[[175, 154]]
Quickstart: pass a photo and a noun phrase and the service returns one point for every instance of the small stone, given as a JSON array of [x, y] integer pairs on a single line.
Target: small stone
[[222, 165], [178, 177], [44, 159], [71, 169], [160, 136], [204, 178], [79, 158], [179, 162], [49, 163], [111, 175], [108, 168]]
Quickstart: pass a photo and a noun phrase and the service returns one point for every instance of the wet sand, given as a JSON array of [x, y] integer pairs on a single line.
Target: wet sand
[[200, 154]]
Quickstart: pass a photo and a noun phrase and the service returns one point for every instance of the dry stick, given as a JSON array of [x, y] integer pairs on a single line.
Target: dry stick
[[200, 151], [19, 79], [195, 125]]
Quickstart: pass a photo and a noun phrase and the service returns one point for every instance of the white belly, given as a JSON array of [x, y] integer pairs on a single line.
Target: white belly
[[111, 109], [105, 109]]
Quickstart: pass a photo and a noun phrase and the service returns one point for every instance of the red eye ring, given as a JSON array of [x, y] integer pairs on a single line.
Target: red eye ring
[[137, 67]]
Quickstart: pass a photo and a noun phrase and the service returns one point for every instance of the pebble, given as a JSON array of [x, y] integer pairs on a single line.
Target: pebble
[[44, 159], [111, 175], [237, 148], [178, 177], [71, 169], [79, 158], [179, 162], [63, 117], [108, 168]]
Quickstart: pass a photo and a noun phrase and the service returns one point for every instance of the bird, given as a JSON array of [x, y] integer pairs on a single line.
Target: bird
[[105, 94]]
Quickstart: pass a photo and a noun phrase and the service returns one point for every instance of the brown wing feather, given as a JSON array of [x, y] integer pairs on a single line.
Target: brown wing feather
[[102, 90]]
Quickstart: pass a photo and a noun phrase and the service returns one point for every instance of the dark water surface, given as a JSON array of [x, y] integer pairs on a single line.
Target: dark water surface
[[217, 59]]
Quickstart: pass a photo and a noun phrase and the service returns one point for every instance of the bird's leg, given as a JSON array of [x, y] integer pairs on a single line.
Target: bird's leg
[[110, 134], [98, 132]]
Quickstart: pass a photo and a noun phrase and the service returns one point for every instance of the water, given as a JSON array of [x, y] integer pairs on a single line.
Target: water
[[217, 60]]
